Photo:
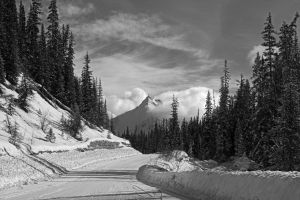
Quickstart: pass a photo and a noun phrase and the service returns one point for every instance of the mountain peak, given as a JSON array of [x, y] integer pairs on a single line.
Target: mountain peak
[[150, 102]]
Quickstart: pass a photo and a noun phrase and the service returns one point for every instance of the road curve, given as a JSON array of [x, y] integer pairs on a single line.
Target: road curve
[[114, 179]]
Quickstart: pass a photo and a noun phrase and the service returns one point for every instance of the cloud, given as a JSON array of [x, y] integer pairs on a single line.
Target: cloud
[[136, 28], [143, 51], [71, 10], [130, 100], [252, 54], [190, 100]]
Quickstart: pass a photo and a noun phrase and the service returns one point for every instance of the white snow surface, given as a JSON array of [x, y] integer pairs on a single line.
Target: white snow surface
[[30, 126], [176, 161], [208, 182], [107, 179], [75, 159], [16, 168]]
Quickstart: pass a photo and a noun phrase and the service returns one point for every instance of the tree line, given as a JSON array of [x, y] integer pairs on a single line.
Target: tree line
[[261, 120], [44, 53]]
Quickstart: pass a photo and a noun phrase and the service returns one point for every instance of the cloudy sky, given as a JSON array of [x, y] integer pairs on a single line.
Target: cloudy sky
[[157, 47]]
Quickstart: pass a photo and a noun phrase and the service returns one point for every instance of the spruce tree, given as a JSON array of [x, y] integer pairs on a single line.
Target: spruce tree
[[44, 71], [69, 73], [32, 33], [86, 88], [174, 124], [9, 43], [285, 132], [22, 32], [222, 137], [208, 106], [53, 35], [105, 116], [2, 72], [101, 104]]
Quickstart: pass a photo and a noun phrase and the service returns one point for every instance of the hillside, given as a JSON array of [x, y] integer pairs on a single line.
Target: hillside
[[41, 108], [142, 117]]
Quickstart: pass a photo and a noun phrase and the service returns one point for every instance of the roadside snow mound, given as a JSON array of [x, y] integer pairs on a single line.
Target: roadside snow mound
[[206, 164], [176, 161], [29, 125], [220, 185], [245, 164]]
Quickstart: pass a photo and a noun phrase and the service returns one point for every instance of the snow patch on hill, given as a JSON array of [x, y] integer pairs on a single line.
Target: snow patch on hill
[[30, 126]]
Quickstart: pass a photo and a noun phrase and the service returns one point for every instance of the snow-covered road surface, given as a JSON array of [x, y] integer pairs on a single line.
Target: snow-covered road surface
[[112, 179]]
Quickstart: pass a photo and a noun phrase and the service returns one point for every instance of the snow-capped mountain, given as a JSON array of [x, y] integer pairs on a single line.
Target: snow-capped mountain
[[140, 118]]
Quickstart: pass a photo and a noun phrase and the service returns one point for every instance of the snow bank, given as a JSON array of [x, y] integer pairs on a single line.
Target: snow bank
[[220, 185], [175, 161], [21, 170], [76, 159]]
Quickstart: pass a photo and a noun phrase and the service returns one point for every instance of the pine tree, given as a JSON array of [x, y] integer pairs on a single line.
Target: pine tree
[[9, 43], [223, 136], [69, 73], [2, 72], [50, 137], [267, 97], [105, 116], [25, 93], [270, 44], [101, 104], [78, 93], [22, 32], [1, 26], [208, 106], [87, 88], [32, 33], [286, 129], [44, 71], [53, 35], [174, 124]]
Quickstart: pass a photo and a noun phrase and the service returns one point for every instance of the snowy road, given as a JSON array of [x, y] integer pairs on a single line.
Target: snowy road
[[114, 179]]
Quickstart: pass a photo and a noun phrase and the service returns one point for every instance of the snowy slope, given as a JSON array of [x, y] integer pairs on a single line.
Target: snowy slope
[[30, 125], [143, 117]]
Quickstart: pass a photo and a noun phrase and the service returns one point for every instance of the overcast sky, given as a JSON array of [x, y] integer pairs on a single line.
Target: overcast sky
[[160, 46]]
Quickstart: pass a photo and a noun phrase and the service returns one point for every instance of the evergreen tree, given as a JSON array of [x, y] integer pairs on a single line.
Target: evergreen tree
[[223, 136], [22, 32], [87, 88], [44, 71], [2, 72], [69, 73], [208, 106], [174, 124], [9, 41], [78, 93], [285, 132], [1, 26], [267, 97], [105, 116], [53, 35], [32, 33], [101, 104]]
